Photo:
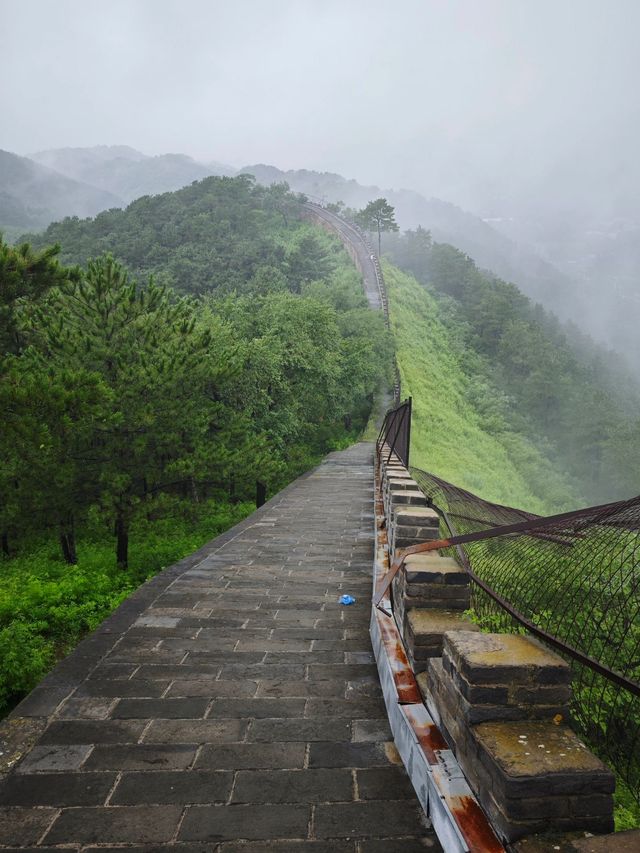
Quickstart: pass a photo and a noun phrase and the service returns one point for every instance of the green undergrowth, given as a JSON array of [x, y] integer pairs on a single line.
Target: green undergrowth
[[458, 430], [47, 606]]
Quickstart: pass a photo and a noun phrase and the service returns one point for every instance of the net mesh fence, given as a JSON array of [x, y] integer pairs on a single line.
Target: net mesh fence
[[575, 580]]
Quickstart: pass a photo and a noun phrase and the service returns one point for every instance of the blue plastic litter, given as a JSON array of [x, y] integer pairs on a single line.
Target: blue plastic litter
[[346, 599]]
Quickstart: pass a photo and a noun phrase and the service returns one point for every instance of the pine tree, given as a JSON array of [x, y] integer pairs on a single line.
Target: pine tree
[[378, 216]]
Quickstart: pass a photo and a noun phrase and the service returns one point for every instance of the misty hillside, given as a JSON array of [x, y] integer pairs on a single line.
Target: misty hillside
[[447, 223], [126, 172], [529, 378], [598, 252], [585, 269], [32, 195]]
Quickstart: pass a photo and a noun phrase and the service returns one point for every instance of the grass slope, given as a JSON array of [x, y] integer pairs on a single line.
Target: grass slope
[[457, 434]]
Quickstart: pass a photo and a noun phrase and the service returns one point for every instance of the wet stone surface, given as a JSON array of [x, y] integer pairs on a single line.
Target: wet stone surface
[[230, 704]]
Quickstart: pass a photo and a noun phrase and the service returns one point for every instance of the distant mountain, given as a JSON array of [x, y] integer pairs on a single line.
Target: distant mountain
[[448, 224], [32, 195], [126, 172]]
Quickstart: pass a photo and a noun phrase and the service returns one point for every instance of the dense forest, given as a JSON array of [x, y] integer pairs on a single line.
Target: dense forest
[[149, 396], [531, 376]]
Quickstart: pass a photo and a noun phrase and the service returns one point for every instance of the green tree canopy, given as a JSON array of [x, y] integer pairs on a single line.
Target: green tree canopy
[[378, 216], [24, 275]]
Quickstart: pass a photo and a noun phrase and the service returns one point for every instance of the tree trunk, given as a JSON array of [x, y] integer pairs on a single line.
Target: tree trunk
[[68, 540], [378, 242], [122, 542], [261, 494], [5, 544]]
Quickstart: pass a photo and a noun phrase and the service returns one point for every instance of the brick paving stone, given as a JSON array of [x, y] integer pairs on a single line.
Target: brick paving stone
[[282, 846], [348, 755], [78, 708], [355, 708], [293, 786], [24, 827], [231, 704], [117, 688], [144, 756], [160, 709], [408, 844], [92, 731], [115, 824], [255, 708], [296, 672], [140, 848], [295, 689], [367, 819], [195, 786], [300, 729], [304, 657], [236, 756], [218, 823], [201, 672], [57, 789], [380, 783], [195, 731], [213, 689], [374, 730], [52, 758], [222, 658]]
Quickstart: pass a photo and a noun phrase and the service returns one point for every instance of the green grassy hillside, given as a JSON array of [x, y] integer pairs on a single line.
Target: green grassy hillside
[[458, 430]]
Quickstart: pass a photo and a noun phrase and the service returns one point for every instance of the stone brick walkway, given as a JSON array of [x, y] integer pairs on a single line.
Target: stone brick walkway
[[231, 704]]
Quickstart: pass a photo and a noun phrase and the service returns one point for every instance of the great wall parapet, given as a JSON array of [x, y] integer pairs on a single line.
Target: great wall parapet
[[500, 700]]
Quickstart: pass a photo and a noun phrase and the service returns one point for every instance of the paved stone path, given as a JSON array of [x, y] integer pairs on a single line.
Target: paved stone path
[[231, 704]]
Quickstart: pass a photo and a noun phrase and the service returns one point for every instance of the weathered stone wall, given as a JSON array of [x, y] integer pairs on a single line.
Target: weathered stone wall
[[501, 701]]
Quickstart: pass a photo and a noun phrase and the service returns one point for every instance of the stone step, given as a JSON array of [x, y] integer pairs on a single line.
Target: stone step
[[423, 630]]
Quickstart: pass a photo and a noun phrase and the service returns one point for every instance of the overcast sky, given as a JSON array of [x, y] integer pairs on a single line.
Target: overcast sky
[[438, 95]]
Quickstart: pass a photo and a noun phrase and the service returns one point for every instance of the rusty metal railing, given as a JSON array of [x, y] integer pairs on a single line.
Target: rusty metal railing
[[395, 433]]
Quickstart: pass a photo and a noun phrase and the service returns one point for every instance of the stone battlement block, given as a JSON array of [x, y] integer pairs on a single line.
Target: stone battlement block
[[511, 659], [539, 776], [424, 629], [398, 483], [432, 568], [530, 775], [470, 704], [413, 497], [416, 517]]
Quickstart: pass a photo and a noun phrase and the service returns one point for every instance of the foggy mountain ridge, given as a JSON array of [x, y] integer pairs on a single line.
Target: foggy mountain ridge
[[33, 195], [129, 173], [584, 275], [584, 283], [448, 223]]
